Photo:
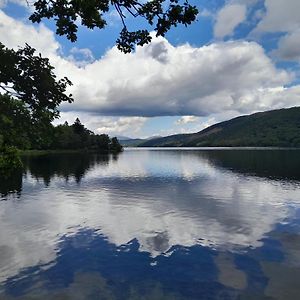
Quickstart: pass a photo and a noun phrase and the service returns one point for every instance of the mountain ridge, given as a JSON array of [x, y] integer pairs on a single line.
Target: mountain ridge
[[275, 128]]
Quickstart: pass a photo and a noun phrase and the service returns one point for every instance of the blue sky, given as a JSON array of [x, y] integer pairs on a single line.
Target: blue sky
[[241, 56]]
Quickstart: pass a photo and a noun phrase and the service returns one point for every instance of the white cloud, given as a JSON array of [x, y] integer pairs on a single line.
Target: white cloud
[[228, 18], [15, 34], [128, 126], [162, 80], [197, 125], [81, 56], [281, 16], [186, 120], [289, 47], [206, 13], [124, 125], [191, 81]]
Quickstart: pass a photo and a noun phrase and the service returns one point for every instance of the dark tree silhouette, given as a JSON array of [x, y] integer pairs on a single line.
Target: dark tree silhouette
[[30, 78], [161, 15]]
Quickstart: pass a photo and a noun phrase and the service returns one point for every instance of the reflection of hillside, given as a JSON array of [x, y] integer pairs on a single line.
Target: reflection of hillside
[[275, 164]]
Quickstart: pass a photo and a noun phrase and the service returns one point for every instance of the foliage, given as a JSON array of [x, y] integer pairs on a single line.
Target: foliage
[[160, 14], [30, 102], [115, 145], [9, 160], [76, 136], [30, 78], [15, 122], [18, 130], [277, 128]]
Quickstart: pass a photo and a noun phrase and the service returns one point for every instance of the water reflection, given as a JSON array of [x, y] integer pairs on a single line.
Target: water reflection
[[164, 224], [63, 165], [274, 164], [11, 185], [47, 167]]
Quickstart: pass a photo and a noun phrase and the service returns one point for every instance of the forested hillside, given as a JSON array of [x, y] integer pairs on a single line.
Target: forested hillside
[[277, 128]]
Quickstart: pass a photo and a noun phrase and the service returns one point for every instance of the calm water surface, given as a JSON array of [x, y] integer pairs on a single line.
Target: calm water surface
[[163, 224]]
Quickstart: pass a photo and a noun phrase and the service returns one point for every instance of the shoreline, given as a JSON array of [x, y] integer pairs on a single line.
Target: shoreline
[[79, 151]]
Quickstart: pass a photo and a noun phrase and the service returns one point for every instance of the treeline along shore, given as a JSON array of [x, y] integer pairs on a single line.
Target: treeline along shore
[[21, 132]]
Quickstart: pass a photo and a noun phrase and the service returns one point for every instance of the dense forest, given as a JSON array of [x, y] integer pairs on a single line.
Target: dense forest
[[20, 130], [276, 128]]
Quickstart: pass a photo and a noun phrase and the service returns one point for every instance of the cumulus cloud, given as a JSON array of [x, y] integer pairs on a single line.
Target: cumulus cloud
[[124, 125], [228, 18], [289, 47], [162, 80], [281, 16], [15, 34], [113, 126], [186, 120], [81, 56], [192, 81], [158, 51]]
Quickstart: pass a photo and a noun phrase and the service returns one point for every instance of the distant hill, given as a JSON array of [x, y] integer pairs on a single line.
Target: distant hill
[[276, 128], [123, 138], [132, 142], [135, 142]]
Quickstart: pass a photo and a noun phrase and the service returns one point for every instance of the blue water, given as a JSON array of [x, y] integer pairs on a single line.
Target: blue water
[[153, 224]]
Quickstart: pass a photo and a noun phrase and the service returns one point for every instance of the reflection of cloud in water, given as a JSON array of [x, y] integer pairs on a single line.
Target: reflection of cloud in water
[[159, 199], [143, 164]]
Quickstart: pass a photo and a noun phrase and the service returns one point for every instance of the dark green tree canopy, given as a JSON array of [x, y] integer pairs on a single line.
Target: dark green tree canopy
[[160, 14], [30, 78]]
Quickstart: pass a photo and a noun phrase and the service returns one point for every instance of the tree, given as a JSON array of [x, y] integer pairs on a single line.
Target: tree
[[35, 93], [15, 123], [160, 14], [30, 78], [115, 145], [29, 98], [78, 127]]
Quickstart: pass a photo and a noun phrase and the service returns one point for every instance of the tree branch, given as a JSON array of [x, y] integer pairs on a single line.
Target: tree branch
[[122, 16]]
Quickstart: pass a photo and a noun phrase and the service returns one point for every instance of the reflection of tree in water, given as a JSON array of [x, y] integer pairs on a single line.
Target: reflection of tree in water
[[11, 184], [64, 165], [45, 167]]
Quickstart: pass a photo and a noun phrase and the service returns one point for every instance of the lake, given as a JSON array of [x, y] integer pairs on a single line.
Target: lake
[[153, 224]]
